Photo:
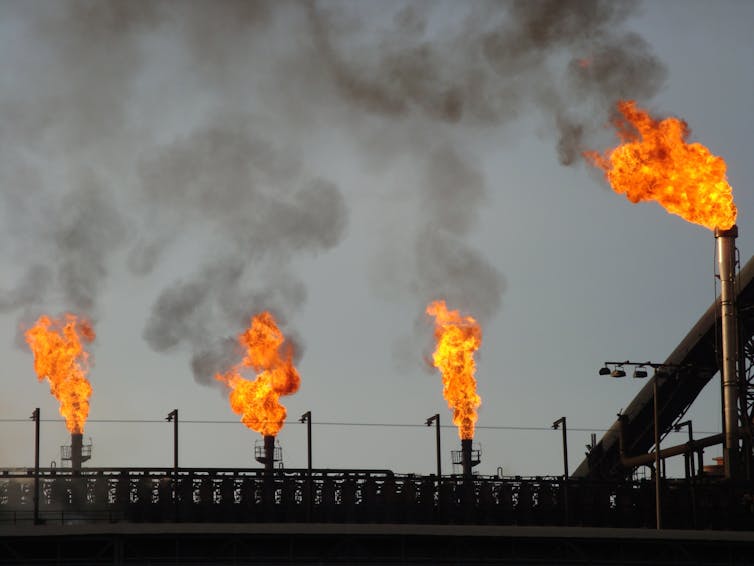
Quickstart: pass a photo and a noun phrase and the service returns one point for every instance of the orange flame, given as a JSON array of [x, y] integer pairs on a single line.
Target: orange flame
[[458, 337], [60, 358], [658, 164], [267, 353]]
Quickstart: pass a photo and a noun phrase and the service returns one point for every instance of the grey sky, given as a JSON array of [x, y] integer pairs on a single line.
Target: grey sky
[[169, 168]]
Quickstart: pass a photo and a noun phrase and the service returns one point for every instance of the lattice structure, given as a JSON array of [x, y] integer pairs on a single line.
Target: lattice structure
[[66, 451], [457, 458]]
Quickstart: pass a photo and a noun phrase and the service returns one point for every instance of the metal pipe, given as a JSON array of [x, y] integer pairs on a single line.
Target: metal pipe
[[726, 257], [35, 416], [77, 443], [466, 456], [269, 454], [695, 446]]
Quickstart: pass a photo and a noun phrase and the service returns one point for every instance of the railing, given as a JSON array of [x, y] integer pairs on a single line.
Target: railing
[[365, 496]]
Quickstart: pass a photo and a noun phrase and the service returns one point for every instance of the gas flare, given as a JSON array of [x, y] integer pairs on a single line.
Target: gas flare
[[458, 337], [60, 358], [268, 354], [654, 162]]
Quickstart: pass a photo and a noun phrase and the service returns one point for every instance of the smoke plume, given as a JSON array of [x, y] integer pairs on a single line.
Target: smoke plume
[[488, 62], [164, 134]]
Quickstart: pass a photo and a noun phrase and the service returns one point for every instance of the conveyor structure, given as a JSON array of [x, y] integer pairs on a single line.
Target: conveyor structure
[[687, 371]]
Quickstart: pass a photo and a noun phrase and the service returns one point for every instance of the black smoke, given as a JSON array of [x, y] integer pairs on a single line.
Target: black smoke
[[134, 128]]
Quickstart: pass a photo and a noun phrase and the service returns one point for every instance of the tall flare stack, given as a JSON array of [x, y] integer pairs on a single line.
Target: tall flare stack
[[726, 258], [77, 446], [258, 401], [269, 454], [655, 162], [458, 337], [466, 457]]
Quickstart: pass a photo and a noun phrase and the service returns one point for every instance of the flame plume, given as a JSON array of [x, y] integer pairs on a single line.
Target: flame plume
[[458, 337], [271, 357], [60, 358], [654, 162]]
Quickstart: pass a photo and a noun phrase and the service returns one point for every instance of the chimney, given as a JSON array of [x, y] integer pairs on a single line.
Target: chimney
[[726, 257], [466, 457], [269, 454], [77, 443]]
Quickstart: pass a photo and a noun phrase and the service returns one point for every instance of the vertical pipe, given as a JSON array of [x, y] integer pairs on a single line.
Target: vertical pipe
[[77, 442], [466, 457], [726, 257], [269, 454], [35, 416], [658, 501]]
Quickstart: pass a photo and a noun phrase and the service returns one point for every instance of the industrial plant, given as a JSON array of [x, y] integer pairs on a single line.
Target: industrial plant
[[601, 492]]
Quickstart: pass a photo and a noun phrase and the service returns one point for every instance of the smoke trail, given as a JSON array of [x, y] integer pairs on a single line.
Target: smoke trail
[[141, 126], [450, 196], [262, 208], [107, 151], [569, 59]]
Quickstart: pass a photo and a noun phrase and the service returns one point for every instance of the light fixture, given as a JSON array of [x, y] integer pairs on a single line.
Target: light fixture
[[618, 372], [604, 370], [640, 372]]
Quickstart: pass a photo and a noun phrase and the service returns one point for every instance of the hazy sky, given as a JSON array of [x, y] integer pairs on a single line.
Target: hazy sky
[[170, 168]]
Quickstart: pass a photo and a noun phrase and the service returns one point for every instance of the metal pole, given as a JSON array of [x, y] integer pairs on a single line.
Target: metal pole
[[307, 418], [35, 416], [691, 454], [556, 425], [436, 420], [658, 506], [173, 416], [175, 442], [687, 456], [309, 443], [438, 451], [726, 257]]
